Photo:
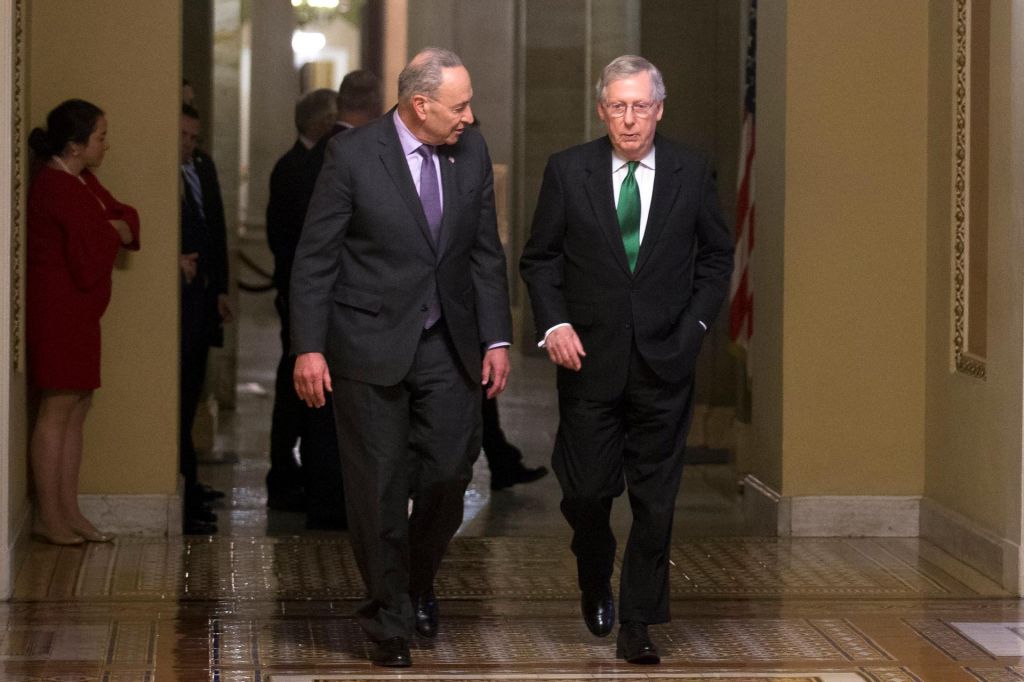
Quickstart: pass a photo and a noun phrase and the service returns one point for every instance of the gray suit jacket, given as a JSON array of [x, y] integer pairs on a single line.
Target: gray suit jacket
[[366, 266]]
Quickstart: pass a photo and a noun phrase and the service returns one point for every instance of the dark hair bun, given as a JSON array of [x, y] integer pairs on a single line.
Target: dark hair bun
[[71, 121], [39, 143]]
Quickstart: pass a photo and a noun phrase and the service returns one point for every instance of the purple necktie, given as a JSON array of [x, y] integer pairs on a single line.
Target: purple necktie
[[430, 197]]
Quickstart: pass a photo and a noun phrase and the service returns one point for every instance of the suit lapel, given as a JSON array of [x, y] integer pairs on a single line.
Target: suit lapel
[[666, 187], [393, 158], [602, 199]]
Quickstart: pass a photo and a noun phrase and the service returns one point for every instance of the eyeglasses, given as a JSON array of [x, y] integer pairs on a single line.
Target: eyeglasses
[[640, 109]]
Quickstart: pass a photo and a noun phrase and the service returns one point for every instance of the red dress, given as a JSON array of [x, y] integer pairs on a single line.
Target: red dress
[[71, 252]]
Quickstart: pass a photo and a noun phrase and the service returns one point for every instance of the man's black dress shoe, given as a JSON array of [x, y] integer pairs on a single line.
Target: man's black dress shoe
[[425, 612], [598, 607], [635, 645], [520, 474], [392, 653]]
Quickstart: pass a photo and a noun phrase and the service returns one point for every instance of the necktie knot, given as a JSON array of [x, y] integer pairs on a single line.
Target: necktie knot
[[426, 151]]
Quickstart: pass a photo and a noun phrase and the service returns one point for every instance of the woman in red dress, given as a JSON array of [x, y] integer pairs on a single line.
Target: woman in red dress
[[75, 230]]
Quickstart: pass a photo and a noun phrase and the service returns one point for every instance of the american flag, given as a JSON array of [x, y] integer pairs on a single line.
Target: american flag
[[741, 292]]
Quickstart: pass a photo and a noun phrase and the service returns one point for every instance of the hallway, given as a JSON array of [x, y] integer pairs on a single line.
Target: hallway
[[265, 600]]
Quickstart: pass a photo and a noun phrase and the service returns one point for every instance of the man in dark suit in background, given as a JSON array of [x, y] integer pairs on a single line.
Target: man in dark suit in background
[[316, 486], [627, 265], [205, 306], [399, 287], [359, 100]]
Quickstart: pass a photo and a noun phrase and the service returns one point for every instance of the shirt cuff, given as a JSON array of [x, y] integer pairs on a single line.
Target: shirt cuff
[[701, 323], [499, 344], [544, 341]]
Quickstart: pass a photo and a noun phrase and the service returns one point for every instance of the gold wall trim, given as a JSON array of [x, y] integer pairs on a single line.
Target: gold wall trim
[[17, 187], [964, 362]]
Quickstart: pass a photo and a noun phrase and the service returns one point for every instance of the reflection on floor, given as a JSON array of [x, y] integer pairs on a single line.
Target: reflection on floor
[[267, 601]]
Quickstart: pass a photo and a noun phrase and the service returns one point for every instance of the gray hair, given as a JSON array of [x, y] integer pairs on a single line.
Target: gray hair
[[312, 107], [626, 66], [424, 74]]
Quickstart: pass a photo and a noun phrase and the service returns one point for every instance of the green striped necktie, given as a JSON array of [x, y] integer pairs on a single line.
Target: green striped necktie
[[629, 215]]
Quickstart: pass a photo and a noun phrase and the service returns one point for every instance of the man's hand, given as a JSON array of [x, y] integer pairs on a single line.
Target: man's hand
[[564, 348], [495, 370], [189, 263], [224, 308], [312, 378]]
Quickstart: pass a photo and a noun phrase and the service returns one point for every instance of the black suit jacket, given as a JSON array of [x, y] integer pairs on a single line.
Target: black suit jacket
[[576, 269], [291, 188], [366, 265], [206, 235]]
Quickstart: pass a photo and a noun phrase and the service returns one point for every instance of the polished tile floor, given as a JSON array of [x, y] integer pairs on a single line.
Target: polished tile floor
[[265, 601]]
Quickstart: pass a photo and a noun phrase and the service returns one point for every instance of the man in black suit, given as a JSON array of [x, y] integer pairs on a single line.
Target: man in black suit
[[399, 282], [358, 100], [627, 265], [315, 487], [204, 301]]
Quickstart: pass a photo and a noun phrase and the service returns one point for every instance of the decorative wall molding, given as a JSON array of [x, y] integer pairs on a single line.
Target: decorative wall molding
[[964, 362], [17, 128]]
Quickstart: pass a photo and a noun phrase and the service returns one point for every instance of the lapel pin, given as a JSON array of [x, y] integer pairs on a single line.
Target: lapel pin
[[451, 159]]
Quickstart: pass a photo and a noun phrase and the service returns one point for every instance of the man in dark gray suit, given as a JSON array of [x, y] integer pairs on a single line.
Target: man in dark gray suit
[[627, 265], [400, 308]]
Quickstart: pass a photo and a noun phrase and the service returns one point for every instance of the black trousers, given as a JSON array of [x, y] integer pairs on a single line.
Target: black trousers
[[417, 439], [634, 442], [502, 458], [292, 420], [195, 349]]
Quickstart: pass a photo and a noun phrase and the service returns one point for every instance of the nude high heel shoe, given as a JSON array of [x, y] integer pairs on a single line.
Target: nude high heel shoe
[[60, 539], [94, 535]]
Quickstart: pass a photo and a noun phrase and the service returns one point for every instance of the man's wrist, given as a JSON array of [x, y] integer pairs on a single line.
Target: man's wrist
[[543, 342]]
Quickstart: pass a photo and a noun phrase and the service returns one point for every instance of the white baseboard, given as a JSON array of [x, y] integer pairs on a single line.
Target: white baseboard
[[134, 514], [996, 558]]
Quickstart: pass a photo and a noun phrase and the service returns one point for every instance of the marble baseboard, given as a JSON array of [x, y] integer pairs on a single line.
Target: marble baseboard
[[849, 516], [994, 557], [141, 515]]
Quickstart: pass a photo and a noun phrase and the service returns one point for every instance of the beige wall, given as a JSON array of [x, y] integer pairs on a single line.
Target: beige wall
[[106, 51], [973, 426], [847, 220]]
